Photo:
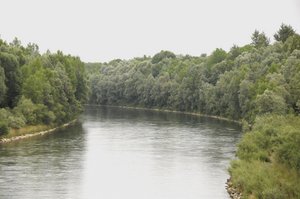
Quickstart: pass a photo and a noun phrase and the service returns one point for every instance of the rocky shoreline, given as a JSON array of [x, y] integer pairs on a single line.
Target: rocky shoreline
[[232, 191], [21, 137]]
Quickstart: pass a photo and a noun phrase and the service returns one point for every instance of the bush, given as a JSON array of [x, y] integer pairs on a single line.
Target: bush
[[269, 159], [48, 117], [3, 128], [27, 108], [264, 180], [289, 151], [4, 115], [16, 122]]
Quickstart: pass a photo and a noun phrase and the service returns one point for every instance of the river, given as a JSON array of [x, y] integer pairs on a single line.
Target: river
[[115, 153]]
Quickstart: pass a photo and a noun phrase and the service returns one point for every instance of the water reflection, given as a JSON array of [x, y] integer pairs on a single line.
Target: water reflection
[[146, 154], [117, 153], [43, 167]]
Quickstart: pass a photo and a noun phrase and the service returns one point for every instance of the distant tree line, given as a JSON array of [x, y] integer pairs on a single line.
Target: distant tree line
[[251, 80], [38, 89]]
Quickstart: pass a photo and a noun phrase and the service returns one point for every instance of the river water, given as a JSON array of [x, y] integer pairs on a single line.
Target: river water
[[115, 153]]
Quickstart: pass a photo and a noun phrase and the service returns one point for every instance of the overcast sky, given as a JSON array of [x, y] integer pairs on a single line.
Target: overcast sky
[[102, 30]]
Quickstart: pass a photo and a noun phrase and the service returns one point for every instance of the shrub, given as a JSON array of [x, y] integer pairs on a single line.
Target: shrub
[[289, 151], [269, 159], [3, 128], [27, 108], [16, 122], [264, 180]]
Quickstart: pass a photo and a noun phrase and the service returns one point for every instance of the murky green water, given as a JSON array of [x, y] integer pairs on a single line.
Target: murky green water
[[117, 153]]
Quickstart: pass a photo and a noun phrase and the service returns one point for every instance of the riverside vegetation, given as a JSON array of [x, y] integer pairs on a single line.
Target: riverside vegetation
[[38, 92], [258, 84]]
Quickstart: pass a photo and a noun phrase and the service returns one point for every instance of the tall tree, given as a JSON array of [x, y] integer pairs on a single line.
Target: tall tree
[[284, 33], [13, 77], [2, 87], [260, 39]]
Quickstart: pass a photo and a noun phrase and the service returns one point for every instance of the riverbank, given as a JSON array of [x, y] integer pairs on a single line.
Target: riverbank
[[172, 111], [268, 159], [46, 129], [233, 192]]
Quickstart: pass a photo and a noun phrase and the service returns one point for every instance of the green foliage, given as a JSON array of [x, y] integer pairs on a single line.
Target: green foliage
[[3, 128], [10, 64], [162, 55], [2, 87], [39, 89], [258, 179], [10, 119], [269, 102], [217, 56], [26, 108], [247, 81], [16, 122], [292, 43], [269, 158], [259, 39], [284, 33]]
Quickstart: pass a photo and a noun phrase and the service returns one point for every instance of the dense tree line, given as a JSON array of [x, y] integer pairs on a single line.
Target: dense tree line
[[254, 79], [38, 89], [258, 83]]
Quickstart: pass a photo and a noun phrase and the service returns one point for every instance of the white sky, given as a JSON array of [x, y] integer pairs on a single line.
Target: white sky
[[102, 30]]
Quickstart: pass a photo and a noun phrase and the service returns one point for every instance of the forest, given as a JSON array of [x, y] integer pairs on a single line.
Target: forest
[[35, 89], [257, 84]]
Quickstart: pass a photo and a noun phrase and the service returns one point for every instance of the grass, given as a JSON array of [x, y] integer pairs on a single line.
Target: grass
[[26, 130], [31, 129], [265, 180]]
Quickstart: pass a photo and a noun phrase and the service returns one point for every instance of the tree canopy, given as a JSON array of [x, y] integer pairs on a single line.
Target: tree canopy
[[39, 88], [246, 81]]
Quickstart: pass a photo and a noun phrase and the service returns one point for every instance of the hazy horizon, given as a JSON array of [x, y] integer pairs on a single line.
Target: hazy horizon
[[100, 31]]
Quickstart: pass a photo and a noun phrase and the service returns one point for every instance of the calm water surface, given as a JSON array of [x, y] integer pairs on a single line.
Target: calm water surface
[[115, 153]]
